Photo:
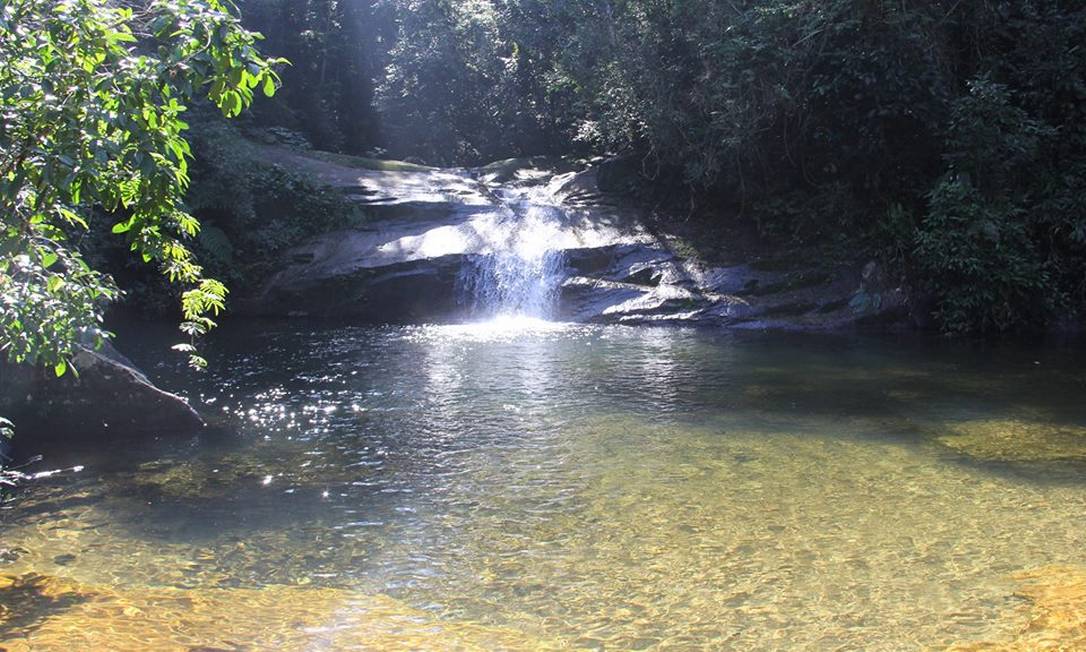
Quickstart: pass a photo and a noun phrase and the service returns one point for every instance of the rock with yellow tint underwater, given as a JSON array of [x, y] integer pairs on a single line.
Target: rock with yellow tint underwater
[[51, 613], [203, 479], [1056, 620], [1017, 440]]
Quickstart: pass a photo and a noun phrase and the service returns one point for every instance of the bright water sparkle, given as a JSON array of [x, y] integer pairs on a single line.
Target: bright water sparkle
[[523, 485], [523, 273]]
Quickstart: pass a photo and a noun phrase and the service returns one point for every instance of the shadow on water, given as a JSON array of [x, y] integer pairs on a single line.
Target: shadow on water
[[26, 602], [200, 490]]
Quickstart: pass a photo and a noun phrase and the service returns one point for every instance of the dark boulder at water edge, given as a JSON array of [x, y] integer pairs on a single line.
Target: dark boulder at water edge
[[108, 394]]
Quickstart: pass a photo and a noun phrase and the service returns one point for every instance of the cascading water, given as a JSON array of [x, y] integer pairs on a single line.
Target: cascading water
[[521, 275]]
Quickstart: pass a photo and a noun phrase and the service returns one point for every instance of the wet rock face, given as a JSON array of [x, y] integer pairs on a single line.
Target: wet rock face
[[404, 264], [667, 288], [428, 226], [109, 394], [407, 272], [404, 292]]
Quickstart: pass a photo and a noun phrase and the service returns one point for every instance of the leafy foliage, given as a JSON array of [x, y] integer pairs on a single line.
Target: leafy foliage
[[91, 94], [947, 135], [974, 244], [8, 477], [249, 208]]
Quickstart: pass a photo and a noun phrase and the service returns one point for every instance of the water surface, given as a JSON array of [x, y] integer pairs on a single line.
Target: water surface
[[549, 487]]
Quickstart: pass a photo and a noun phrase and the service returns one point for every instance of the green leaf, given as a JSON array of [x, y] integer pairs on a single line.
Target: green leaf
[[71, 217], [98, 118], [269, 86]]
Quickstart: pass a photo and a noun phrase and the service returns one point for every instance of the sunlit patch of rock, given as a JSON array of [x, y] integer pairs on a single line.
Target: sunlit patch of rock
[[1055, 613]]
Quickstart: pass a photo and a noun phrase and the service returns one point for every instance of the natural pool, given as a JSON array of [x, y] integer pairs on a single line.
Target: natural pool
[[551, 487]]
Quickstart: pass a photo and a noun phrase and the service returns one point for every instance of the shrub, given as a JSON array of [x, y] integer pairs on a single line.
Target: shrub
[[978, 259], [250, 210]]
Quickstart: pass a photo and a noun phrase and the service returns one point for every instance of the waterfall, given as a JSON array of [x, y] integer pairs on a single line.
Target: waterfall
[[522, 273]]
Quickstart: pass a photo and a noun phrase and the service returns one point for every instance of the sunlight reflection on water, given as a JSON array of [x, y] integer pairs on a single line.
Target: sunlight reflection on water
[[504, 327], [524, 484]]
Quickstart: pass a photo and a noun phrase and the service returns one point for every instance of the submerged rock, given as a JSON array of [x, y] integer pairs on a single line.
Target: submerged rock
[[39, 612], [1054, 614], [1016, 441], [105, 392]]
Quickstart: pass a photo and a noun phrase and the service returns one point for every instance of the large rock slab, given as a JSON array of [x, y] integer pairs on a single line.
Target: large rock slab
[[412, 189], [109, 394], [404, 265], [648, 284]]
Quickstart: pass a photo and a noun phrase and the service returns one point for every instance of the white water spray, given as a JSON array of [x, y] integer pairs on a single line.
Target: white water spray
[[522, 274]]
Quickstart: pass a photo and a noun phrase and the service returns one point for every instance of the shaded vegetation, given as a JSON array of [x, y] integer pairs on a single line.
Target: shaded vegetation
[[945, 137], [250, 210]]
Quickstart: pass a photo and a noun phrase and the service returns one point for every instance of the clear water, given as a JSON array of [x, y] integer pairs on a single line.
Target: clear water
[[563, 487]]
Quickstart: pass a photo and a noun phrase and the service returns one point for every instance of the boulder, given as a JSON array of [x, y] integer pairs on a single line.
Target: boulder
[[410, 291], [109, 394], [605, 181]]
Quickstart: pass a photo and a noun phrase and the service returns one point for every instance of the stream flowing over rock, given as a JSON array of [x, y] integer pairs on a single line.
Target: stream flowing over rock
[[541, 238]]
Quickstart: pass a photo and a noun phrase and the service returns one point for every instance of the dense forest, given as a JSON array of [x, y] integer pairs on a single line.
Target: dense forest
[[946, 137]]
